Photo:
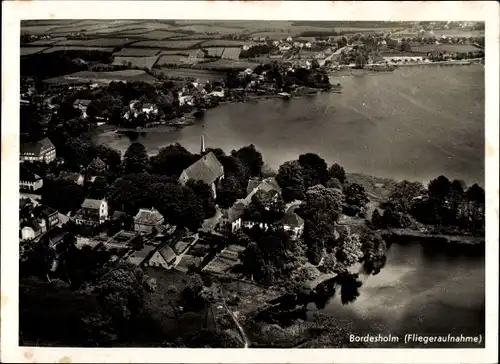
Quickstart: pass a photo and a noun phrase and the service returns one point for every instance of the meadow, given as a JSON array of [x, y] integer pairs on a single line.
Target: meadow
[[171, 60], [201, 75], [459, 48]]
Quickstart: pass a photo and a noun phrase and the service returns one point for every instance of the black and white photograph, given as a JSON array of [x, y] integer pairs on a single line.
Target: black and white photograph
[[258, 184]]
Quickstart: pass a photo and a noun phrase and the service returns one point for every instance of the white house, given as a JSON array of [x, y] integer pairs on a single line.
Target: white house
[[163, 257], [28, 180], [149, 109], [41, 151], [293, 223], [219, 92], [93, 212], [289, 39]]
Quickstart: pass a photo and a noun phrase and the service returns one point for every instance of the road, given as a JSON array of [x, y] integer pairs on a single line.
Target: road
[[246, 342]]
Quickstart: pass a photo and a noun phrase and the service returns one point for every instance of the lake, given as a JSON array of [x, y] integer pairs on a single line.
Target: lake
[[420, 290], [415, 123]]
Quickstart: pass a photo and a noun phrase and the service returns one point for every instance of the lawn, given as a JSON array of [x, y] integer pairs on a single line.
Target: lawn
[[137, 52], [141, 62], [168, 44]]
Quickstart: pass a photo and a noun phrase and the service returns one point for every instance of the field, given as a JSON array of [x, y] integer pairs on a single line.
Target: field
[[168, 44], [225, 65], [45, 42], [141, 62], [209, 29], [137, 52], [77, 48], [231, 53], [103, 77], [272, 35], [98, 42], [172, 60], [26, 51], [223, 43], [153, 35], [182, 52], [186, 73], [215, 52], [446, 48]]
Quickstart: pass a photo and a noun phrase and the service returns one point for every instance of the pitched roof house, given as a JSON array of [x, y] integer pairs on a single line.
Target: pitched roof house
[[42, 151], [207, 169], [146, 220], [29, 180], [293, 223], [163, 257], [93, 212]]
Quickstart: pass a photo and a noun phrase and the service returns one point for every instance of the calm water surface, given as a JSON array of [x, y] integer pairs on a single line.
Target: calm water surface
[[414, 123], [419, 291]]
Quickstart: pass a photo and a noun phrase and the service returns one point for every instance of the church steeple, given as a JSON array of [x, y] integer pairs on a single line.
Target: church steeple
[[202, 149]]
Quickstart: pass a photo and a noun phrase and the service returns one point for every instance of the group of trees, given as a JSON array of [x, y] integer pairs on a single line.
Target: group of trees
[[443, 203]]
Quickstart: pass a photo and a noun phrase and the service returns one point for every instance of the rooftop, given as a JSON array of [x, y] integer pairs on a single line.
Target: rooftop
[[90, 203], [292, 219], [82, 102], [37, 147], [206, 169], [148, 217], [26, 175]]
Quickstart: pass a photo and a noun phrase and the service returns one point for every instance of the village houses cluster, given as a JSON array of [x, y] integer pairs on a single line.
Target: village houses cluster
[[157, 244]]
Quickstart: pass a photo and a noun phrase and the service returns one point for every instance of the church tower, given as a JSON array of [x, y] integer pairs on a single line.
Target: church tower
[[202, 149]]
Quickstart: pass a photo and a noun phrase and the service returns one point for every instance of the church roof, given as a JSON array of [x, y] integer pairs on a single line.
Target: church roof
[[206, 169]]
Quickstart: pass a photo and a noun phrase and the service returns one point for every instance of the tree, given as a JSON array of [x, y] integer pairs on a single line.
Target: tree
[[251, 158], [360, 61], [405, 46], [62, 195], [376, 220], [266, 207], [439, 188], [172, 160], [228, 191], [314, 169], [355, 195], [290, 177], [321, 204], [338, 172], [205, 194], [136, 159], [404, 193], [349, 250], [191, 297], [334, 183], [99, 188]]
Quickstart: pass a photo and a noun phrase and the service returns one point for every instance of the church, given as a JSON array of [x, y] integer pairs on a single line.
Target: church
[[207, 169]]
